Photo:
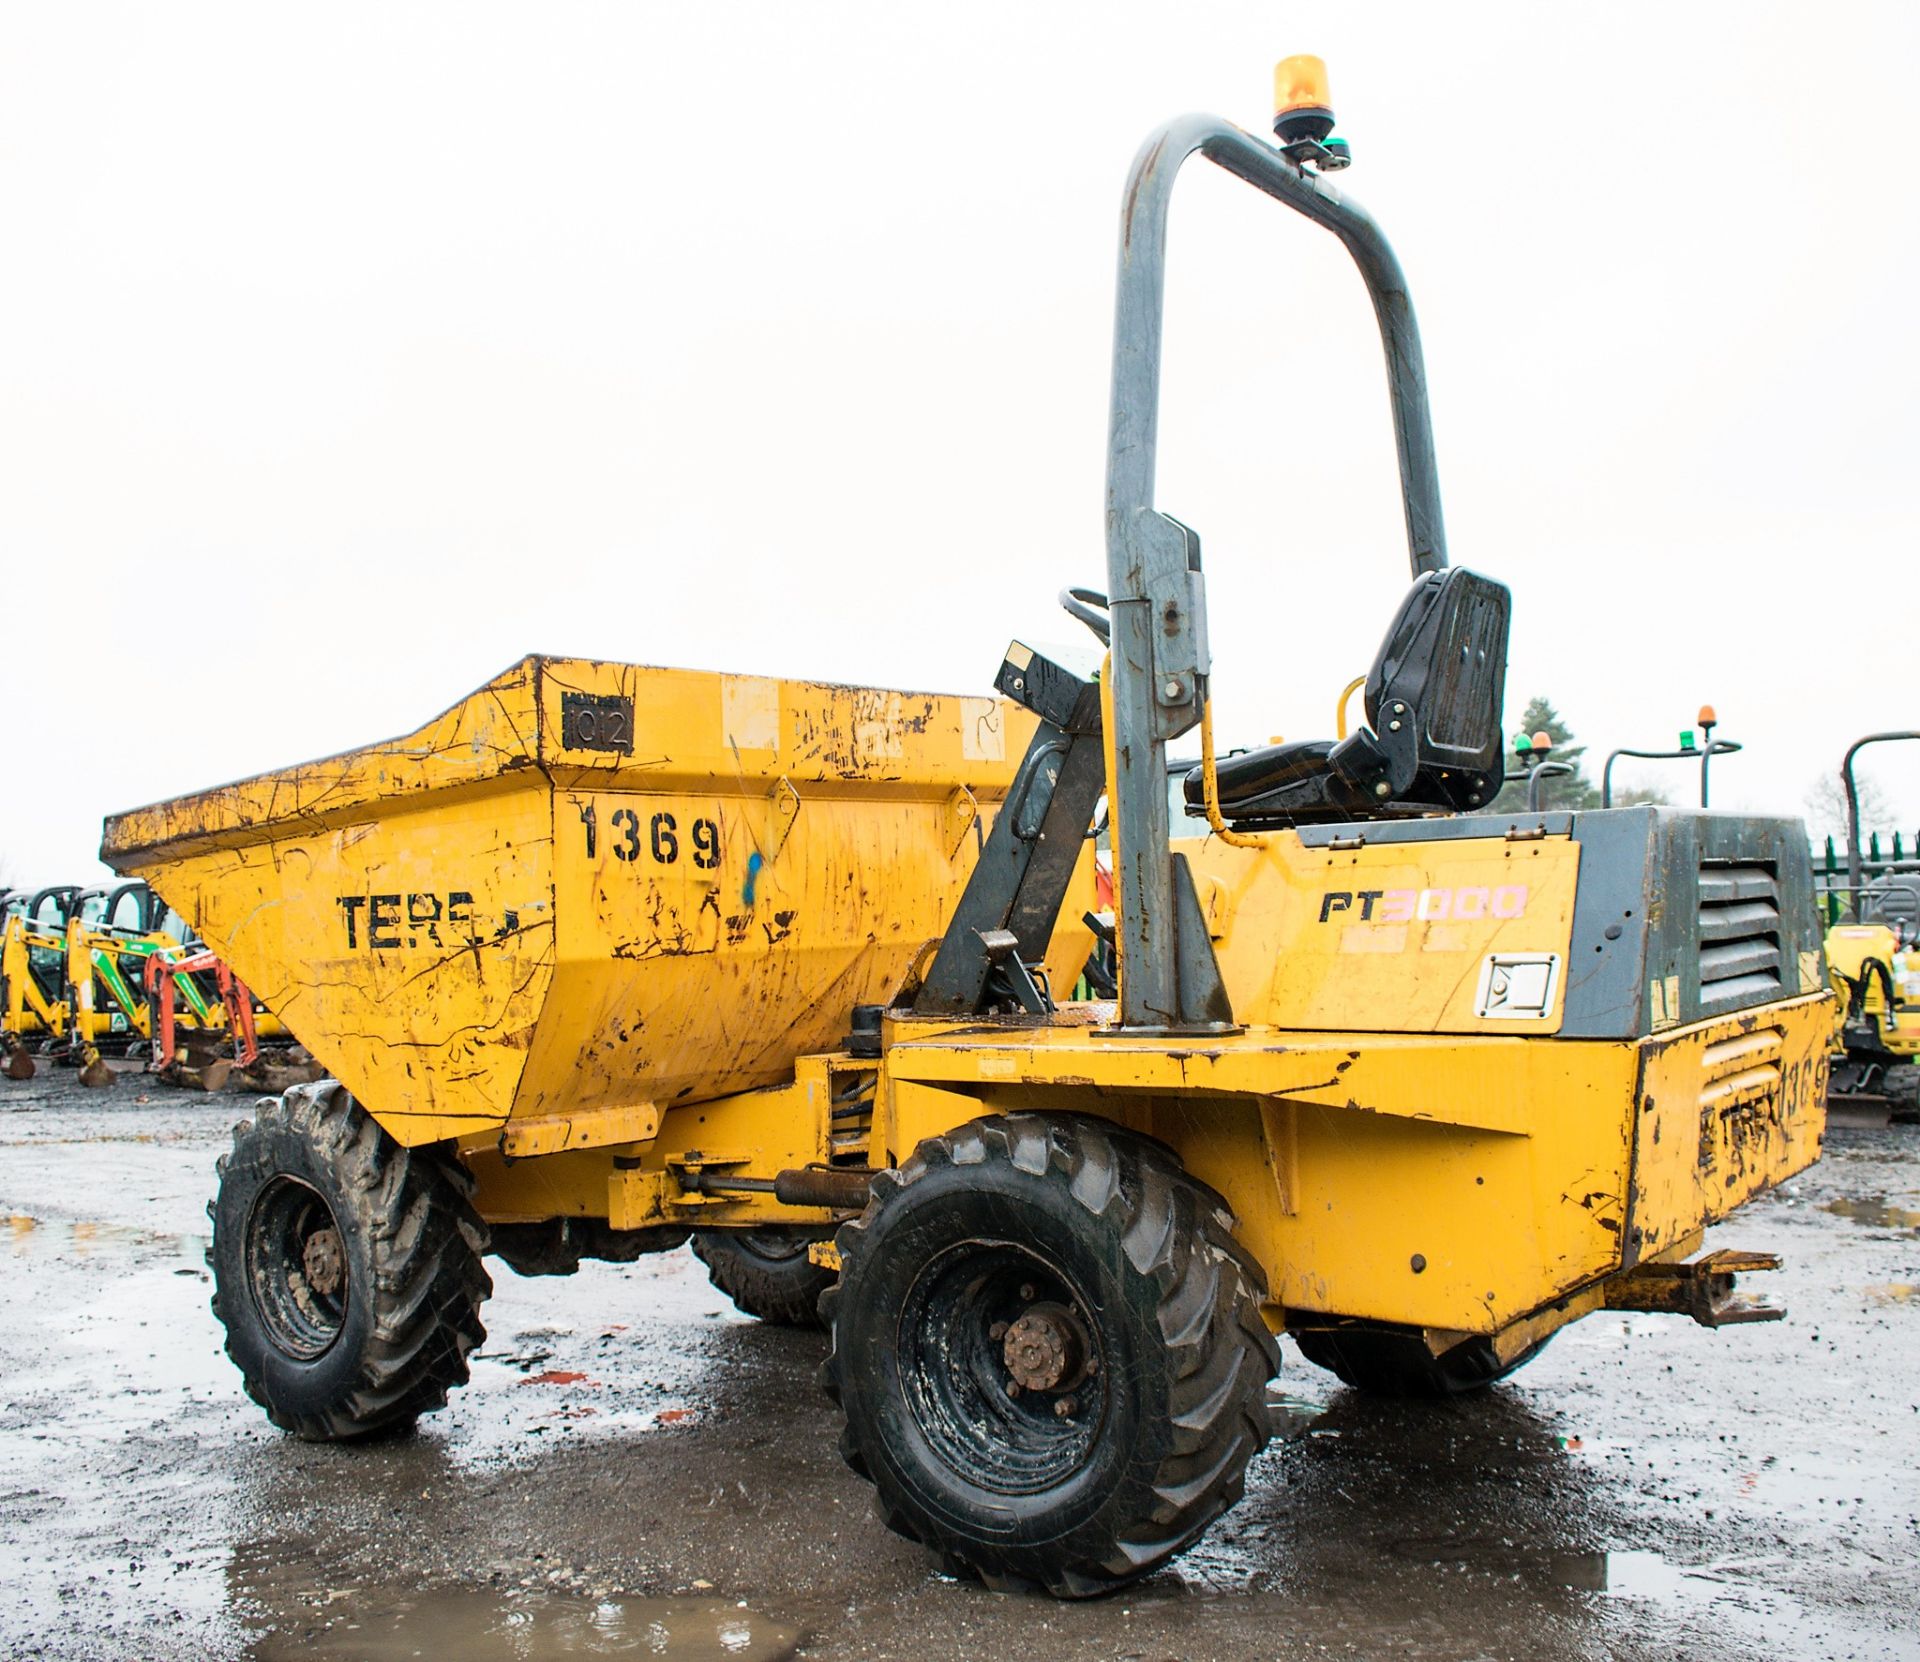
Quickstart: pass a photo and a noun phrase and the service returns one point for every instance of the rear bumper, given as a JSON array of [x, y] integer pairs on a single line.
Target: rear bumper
[[1724, 1111]]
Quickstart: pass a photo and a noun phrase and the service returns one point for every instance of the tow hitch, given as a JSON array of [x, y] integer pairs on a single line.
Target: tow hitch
[[1702, 1289]]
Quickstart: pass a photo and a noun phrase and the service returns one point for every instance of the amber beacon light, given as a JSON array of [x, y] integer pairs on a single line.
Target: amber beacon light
[[1302, 106]]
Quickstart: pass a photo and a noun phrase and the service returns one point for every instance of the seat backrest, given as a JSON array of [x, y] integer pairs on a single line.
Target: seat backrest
[[1435, 694]]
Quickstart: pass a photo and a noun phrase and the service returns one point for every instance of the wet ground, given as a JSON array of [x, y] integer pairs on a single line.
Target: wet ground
[[636, 1470]]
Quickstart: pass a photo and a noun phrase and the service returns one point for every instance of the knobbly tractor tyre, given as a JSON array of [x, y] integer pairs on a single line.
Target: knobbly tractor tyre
[[1387, 1364], [1049, 1351], [346, 1268], [767, 1273]]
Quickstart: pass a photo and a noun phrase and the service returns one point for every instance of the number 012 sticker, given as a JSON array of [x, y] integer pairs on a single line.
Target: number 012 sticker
[[636, 835], [596, 721]]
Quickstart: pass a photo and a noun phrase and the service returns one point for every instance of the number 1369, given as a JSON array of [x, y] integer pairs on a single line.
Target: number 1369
[[657, 836]]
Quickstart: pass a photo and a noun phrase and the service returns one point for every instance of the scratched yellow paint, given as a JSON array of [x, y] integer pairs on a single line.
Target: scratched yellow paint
[[498, 915], [1722, 1111], [412, 953], [1388, 937]]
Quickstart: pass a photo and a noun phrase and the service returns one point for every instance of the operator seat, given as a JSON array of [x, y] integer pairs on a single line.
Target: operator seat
[[1432, 740], [1894, 902]]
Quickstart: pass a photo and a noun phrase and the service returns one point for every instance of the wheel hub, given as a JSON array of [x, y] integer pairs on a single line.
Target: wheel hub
[[1042, 1348], [296, 1267], [323, 1262]]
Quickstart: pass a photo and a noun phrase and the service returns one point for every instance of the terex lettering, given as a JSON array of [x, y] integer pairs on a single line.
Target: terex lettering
[[389, 922]]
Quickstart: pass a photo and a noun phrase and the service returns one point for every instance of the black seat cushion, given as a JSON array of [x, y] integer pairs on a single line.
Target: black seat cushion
[[1255, 772], [1433, 699], [1284, 784]]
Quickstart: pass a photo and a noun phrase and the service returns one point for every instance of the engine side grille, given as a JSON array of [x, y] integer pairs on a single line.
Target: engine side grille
[[1739, 934]]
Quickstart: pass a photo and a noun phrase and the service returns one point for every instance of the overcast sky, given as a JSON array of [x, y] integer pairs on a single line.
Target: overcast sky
[[350, 353]]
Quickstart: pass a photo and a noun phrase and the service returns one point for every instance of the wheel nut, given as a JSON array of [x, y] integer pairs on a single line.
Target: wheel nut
[[1013, 1390], [1041, 1351], [1063, 1407], [1026, 1292], [323, 1262], [997, 1332]]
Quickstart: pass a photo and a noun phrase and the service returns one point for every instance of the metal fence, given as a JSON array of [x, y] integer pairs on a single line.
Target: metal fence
[[1889, 879]]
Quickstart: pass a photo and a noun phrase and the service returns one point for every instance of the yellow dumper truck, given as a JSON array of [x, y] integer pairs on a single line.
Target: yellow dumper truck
[[1871, 944], [607, 956]]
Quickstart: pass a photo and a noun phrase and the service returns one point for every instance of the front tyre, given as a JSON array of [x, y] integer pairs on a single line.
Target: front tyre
[[346, 1268], [1049, 1350]]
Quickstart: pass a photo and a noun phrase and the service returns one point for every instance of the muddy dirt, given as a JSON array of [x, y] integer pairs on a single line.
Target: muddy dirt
[[636, 1470]]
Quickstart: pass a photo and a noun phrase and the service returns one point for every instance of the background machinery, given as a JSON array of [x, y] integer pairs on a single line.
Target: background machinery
[[89, 973], [1873, 914], [1703, 752]]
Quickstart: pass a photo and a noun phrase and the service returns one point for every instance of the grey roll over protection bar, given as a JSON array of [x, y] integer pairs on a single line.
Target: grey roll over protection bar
[[1157, 594]]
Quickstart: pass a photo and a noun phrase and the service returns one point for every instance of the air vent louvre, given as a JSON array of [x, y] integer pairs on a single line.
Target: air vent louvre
[[1739, 934]]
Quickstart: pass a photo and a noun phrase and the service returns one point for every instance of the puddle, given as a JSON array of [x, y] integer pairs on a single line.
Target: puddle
[[1631, 1574], [1735, 1604], [1725, 1593], [28, 1236], [1891, 1292], [1290, 1416], [478, 1626], [1583, 1571], [1876, 1211]]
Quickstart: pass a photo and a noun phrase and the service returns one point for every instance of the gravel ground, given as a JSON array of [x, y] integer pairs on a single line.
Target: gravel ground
[[1644, 1489]]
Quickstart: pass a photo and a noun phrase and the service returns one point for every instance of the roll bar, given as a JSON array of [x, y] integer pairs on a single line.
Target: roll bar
[[1160, 661], [1853, 812], [1700, 753]]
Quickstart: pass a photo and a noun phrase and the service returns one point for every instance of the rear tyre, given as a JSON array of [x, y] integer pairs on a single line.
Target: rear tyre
[[1387, 1364], [1049, 1350], [766, 1272], [346, 1268]]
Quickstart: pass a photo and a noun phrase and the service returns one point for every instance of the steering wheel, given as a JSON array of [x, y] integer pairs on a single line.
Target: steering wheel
[[1090, 607]]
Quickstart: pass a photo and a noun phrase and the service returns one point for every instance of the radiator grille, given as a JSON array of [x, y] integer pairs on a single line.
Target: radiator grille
[[1739, 934]]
